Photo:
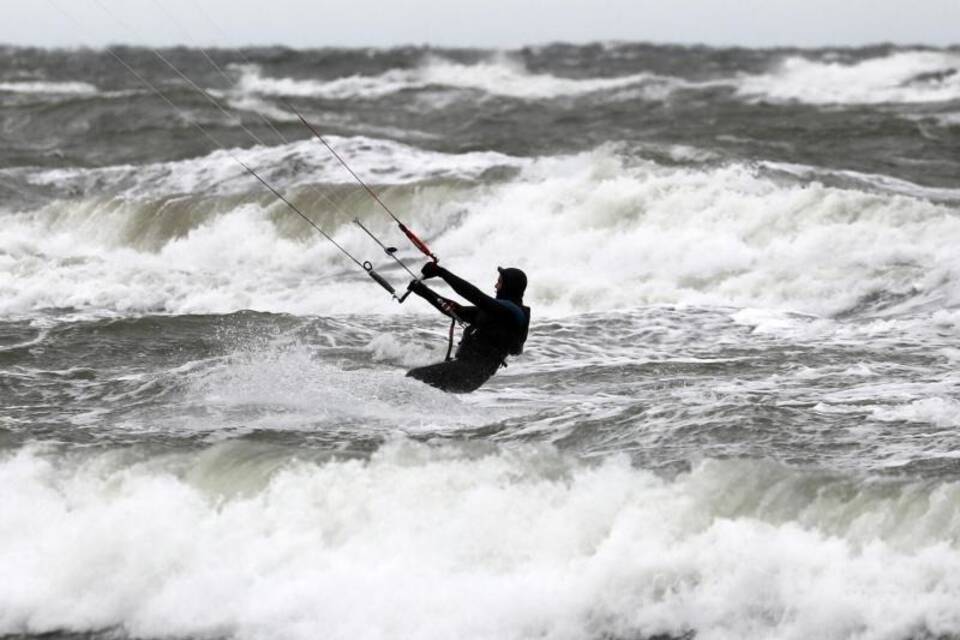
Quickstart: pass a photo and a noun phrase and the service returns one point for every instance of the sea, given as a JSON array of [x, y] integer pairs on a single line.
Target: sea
[[737, 415]]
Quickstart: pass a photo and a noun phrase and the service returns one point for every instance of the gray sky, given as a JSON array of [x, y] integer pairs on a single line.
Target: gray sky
[[487, 23]]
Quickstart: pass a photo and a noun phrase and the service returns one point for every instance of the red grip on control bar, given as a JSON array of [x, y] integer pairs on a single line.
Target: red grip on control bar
[[417, 242]]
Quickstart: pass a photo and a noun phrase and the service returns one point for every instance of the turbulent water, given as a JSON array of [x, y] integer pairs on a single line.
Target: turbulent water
[[738, 413]]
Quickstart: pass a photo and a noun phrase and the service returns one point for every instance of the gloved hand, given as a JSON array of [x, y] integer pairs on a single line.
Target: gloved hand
[[430, 270], [450, 307], [417, 287]]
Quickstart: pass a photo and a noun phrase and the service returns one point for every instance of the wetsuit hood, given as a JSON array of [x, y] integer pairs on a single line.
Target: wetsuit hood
[[513, 282]]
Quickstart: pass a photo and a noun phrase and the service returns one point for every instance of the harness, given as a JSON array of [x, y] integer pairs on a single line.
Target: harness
[[515, 347]]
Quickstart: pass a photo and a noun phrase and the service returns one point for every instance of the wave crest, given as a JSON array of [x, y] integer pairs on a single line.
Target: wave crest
[[48, 87], [500, 76], [905, 76], [593, 233]]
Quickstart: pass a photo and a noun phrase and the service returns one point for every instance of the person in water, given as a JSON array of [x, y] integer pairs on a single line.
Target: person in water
[[496, 327]]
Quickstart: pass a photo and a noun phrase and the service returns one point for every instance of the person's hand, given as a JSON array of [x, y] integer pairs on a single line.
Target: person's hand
[[417, 287], [450, 307], [430, 270]]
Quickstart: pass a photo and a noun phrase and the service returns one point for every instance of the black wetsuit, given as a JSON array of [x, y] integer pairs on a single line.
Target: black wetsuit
[[496, 328]]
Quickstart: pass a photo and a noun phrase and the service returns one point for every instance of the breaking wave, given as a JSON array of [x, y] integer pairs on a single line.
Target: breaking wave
[[427, 542], [900, 77], [500, 77], [47, 87], [293, 164], [905, 76], [594, 233]]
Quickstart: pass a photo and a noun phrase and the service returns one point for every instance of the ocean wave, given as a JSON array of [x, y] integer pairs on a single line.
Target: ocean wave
[[499, 76], [948, 119], [238, 538], [900, 77], [47, 87], [292, 165], [594, 234], [938, 411], [870, 181], [903, 76]]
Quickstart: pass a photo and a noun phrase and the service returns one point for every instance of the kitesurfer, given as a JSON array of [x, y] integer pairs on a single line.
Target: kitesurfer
[[495, 328]]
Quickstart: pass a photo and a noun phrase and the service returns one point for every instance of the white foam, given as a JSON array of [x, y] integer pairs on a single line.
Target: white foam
[[770, 321], [597, 236], [593, 234], [939, 411], [948, 119], [903, 76], [872, 180], [47, 87], [860, 370], [500, 76], [285, 386], [387, 347], [892, 78], [426, 543], [946, 317], [260, 106], [219, 172]]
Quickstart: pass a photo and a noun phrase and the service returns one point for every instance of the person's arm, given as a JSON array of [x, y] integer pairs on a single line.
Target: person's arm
[[445, 306], [470, 292]]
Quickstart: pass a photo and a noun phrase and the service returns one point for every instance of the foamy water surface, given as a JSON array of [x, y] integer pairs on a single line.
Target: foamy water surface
[[736, 415]]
